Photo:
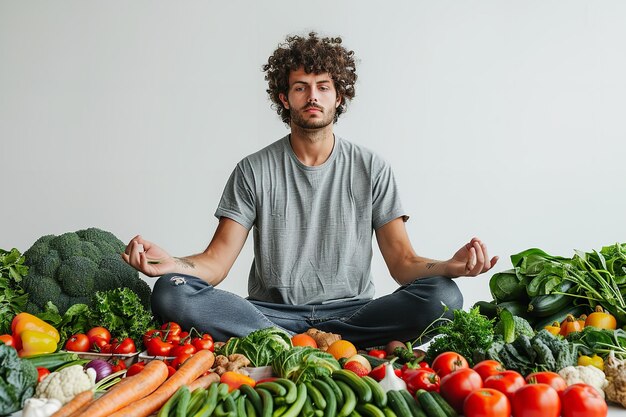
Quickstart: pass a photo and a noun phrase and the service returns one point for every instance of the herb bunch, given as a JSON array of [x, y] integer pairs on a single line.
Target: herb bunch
[[13, 299]]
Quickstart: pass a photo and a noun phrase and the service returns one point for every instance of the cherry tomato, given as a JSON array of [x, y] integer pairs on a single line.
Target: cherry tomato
[[553, 379], [135, 368], [422, 378], [536, 400], [78, 343], [507, 382], [8, 340], [151, 334], [125, 347], [99, 332], [448, 362], [172, 331], [117, 364], [205, 342], [180, 349], [42, 373], [377, 353], [488, 367], [180, 359], [486, 402], [457, 385], [582, 400], [158, 347]]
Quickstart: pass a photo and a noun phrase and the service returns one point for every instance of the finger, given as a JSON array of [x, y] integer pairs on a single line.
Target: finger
[[480, 260], [486, 264], [494, 260], [471, 261]]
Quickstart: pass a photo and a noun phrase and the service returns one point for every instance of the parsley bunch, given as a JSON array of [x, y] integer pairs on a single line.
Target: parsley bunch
[[467, 332]]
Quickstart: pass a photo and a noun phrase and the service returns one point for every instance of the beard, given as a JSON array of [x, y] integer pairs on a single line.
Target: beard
[[327, 117]]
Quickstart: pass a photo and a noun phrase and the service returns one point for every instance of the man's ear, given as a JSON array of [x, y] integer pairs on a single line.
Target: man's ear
[[338, 101], [283, 99]]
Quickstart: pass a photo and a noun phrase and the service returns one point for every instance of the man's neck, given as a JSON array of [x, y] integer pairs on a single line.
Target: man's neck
[[312, 146]]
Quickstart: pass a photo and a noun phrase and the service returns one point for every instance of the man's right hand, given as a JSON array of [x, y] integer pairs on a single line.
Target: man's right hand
[[148, 258]]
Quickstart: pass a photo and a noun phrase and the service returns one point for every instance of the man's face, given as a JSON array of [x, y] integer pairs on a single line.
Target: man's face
[[312, 99]]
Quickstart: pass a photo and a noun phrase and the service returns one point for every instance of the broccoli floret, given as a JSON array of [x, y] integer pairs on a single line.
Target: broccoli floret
[[67, 244], [49, 264], [80, 263], [76, 276]]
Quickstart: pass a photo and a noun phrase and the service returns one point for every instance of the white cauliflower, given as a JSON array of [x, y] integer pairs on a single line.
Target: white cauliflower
[[66, 383], [616, 376], [589, 375]]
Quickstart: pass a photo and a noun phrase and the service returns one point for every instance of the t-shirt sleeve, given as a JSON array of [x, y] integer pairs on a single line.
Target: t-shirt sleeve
[[386, 204], [237, 202]]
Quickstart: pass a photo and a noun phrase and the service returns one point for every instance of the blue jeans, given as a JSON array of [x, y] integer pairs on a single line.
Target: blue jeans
[[402, 315]]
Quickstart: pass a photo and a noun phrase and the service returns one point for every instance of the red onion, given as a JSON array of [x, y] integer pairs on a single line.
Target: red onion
[[102, 368]]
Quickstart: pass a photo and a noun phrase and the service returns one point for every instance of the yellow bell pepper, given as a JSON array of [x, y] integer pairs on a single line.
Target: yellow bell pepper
[[26, 321], [594, 360], [34, 343]]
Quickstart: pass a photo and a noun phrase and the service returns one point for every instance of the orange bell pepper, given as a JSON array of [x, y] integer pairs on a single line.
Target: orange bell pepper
[[234, 380], [33, 335]]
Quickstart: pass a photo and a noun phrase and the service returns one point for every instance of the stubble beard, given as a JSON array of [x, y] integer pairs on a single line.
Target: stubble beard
[[315, 123]]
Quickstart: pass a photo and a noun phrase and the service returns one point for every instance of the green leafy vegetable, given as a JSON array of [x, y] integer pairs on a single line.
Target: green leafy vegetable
[[13, 299], [466, 332], [304, 363], [260, 346], [77, 319], [122, 313], [18, 378]]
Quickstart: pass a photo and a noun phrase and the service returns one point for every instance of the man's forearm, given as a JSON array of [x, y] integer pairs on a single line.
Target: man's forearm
[[199, 266], [417, 268]]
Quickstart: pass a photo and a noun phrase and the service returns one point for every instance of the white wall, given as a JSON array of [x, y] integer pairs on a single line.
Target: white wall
[[502, 119]]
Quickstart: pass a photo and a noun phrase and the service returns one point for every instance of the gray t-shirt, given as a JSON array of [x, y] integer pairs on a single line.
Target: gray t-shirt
[[312, 226]]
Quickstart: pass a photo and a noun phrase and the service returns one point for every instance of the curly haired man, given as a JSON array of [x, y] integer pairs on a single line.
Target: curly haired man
[[313, 201]]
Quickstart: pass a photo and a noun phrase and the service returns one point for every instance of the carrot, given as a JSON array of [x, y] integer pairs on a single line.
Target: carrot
[[135, 388], [189, 371], [83, 408], [204, 381], [74, 404]]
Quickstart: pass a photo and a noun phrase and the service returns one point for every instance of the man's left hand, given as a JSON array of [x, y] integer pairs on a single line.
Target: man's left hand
[[471, 260]]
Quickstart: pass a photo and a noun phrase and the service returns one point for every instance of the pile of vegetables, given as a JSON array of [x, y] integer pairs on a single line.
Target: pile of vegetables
[[260, 346]]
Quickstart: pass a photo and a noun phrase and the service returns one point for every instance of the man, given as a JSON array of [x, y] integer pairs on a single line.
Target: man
[[313, 201]]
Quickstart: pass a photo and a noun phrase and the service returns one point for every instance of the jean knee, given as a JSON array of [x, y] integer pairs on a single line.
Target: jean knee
[[450, 294], [170, 292]]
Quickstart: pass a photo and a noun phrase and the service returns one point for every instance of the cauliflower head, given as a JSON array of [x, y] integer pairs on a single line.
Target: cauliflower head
[[589, 375], [65, 384]]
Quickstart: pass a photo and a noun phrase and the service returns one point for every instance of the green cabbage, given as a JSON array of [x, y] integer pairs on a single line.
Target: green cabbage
[[260, 346], [304, 363]]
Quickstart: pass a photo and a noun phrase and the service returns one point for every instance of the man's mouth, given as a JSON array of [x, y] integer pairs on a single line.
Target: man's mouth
[[313, 109]]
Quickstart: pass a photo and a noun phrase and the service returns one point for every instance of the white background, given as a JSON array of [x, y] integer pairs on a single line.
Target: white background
[[502, 119]]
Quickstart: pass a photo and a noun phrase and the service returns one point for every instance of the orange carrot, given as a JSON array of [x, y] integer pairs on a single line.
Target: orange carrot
[[74, 404], [204, 381], [189, 371], [83, 408], [135, 388]]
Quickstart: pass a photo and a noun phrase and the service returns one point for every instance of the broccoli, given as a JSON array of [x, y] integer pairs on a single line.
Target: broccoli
[[67, 269]]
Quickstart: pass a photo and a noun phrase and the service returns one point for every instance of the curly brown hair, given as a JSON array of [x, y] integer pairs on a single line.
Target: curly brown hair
[[317, 55]]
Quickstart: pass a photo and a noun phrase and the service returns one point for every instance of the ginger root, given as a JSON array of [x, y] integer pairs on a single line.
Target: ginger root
[[323, 339], [234, 363]]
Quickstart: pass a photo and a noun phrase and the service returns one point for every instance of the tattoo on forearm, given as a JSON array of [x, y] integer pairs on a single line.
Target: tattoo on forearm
[[186, 263], [430, 265]]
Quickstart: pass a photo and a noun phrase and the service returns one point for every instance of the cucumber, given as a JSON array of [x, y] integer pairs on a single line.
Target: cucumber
[[295, 407], [241, 407], [274, 387], [398, 405], [290, 386], [414, 406], [327, 392], [183, 402], [253, 397], [317, 399], [374, 361], [268, 402], [560, 315], [336, 390], [547, 305], [429, 404], [445, 406], [363, 391], [389, 412], [379, 396], [209, 405], [52, 361], [349, 399], [369, 410]]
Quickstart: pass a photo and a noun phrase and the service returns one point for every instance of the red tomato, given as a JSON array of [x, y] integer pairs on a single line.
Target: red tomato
[[97, 343], [172, 331], [582, 400], [151, 334], [117, 364], [486, 402], [135, 368], [125, 347], [158, 347], [422, 378], [8, 340], [448, 362], [456, 386], [536, 400], [180, 359], [99, 332], [78, 343], [203, 343], [180, 349], [553, 379], [507, 382], [488, 367], [42, 373], [377, 353]]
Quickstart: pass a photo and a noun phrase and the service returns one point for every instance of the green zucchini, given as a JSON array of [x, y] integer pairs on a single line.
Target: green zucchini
[[547, 305], [414, 406], [516, 308], [52, 361], [445, 406], [398, 404], [429, 404], [488, 309]]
